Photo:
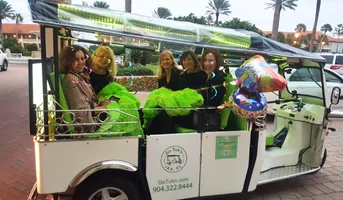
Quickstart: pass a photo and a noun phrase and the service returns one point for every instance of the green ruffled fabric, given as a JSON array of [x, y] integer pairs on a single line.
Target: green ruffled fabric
[[129, 104], [165, 98]]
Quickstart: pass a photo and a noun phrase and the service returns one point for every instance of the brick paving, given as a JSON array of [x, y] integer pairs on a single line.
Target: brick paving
[[17, 170]]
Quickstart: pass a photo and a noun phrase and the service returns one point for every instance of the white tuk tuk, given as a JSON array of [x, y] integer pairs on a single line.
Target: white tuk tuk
[[183, 165]]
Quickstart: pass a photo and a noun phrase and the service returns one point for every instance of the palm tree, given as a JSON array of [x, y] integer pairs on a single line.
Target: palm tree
[[279, 5], [162, 12], [300, 28], [216, 7], [6, 12], [18, 20], [101, 4], [325, 28], [128, 6], [314, 30], [209, 20], [339, 31]]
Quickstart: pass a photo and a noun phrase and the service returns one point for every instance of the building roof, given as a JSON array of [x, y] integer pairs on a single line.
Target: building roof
[[318, 34], [22, 28]]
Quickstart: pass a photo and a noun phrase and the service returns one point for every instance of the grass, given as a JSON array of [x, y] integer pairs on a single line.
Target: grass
[[153, 67]]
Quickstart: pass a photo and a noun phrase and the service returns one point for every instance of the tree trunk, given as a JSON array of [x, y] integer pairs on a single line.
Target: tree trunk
[[276, 20], [128, 6], [1, 34], [314, 30], [217, 18]]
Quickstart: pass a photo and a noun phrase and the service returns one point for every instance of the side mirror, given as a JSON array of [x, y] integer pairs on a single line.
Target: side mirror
[[335, 95]]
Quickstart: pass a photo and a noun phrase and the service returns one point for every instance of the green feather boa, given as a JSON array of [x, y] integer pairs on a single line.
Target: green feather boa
[[129, 104], [165, 98]]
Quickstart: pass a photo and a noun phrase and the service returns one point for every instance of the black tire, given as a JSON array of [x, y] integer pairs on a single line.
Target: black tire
[[117, 185], [323, 160], [5, 66]]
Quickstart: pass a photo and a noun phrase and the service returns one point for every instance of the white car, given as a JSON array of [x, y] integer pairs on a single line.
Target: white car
[[3, 61], [333, 62]]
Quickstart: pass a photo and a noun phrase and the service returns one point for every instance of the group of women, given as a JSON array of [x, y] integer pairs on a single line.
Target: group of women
[[87, 74], [203, 76]]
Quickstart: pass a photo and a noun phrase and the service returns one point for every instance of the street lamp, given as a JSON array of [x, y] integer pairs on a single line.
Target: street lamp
[[321, 47], [296, 35]]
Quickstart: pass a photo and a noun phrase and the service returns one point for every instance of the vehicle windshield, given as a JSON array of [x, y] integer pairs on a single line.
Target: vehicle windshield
[[305, 81]]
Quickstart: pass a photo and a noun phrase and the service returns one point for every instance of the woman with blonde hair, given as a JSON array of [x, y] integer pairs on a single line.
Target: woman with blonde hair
[[167, 73], [103, 68]]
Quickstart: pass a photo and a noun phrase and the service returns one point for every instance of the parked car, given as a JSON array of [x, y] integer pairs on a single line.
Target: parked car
[[333, 61], [3, 60]]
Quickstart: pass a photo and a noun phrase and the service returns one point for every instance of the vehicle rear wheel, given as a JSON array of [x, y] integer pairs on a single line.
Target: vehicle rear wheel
[[5, 66], [107, 189]]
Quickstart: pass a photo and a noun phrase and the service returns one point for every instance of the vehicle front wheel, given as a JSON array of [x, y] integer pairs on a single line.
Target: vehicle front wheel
[[322, 163], [106, 189], [4, 66]]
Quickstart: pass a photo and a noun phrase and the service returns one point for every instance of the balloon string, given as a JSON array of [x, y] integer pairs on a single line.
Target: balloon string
[[213, 86]]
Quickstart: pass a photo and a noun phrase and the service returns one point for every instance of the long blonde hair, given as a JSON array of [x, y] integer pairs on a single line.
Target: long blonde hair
[[107, 52], [161, 72]]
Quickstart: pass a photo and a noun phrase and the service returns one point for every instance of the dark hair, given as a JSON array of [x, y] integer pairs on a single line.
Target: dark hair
[[67, 56], [216, 54], [194, 58]]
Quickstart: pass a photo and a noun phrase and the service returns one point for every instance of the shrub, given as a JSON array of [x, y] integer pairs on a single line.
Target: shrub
[[138, 83], [135, 70], [15, 49], [31, 47]]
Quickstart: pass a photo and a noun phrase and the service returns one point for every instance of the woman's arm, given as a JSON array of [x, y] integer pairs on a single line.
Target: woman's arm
[[160, 83]]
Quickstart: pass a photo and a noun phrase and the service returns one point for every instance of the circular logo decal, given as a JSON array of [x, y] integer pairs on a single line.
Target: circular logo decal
[[173, 159]]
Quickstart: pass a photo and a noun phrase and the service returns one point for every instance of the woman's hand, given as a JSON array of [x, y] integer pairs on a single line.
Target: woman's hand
[[105, 103]]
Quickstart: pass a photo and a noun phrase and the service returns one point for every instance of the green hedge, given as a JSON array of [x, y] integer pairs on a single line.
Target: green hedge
[[135, 70], [138, 83]]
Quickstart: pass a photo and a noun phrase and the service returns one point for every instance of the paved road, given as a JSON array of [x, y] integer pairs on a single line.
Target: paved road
[[17, 173]]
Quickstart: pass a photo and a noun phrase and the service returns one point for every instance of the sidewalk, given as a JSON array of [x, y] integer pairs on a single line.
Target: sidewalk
[[22, 60]]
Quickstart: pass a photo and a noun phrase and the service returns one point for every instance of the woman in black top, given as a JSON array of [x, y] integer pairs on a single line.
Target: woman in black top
[[103, 68], [211, 60], [192, 76], [168, 74]]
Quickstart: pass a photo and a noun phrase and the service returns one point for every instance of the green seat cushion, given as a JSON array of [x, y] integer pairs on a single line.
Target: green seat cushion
[[62, 101], [180, 129], [269, 140]]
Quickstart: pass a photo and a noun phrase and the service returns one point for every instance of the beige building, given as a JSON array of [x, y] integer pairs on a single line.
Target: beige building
[[25, 33]]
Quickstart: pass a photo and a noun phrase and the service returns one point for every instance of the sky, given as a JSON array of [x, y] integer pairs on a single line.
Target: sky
[[250, 10]]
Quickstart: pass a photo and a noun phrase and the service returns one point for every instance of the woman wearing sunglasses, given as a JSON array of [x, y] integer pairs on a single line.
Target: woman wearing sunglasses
[[103, 68]]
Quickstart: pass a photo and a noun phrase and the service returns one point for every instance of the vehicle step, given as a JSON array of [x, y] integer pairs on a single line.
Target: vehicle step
[[285, 172]]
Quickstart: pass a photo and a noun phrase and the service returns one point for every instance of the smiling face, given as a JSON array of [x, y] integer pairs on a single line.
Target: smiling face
[[102, 60], [209, 64], [79, 62], [166, 61], [188, 63]]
